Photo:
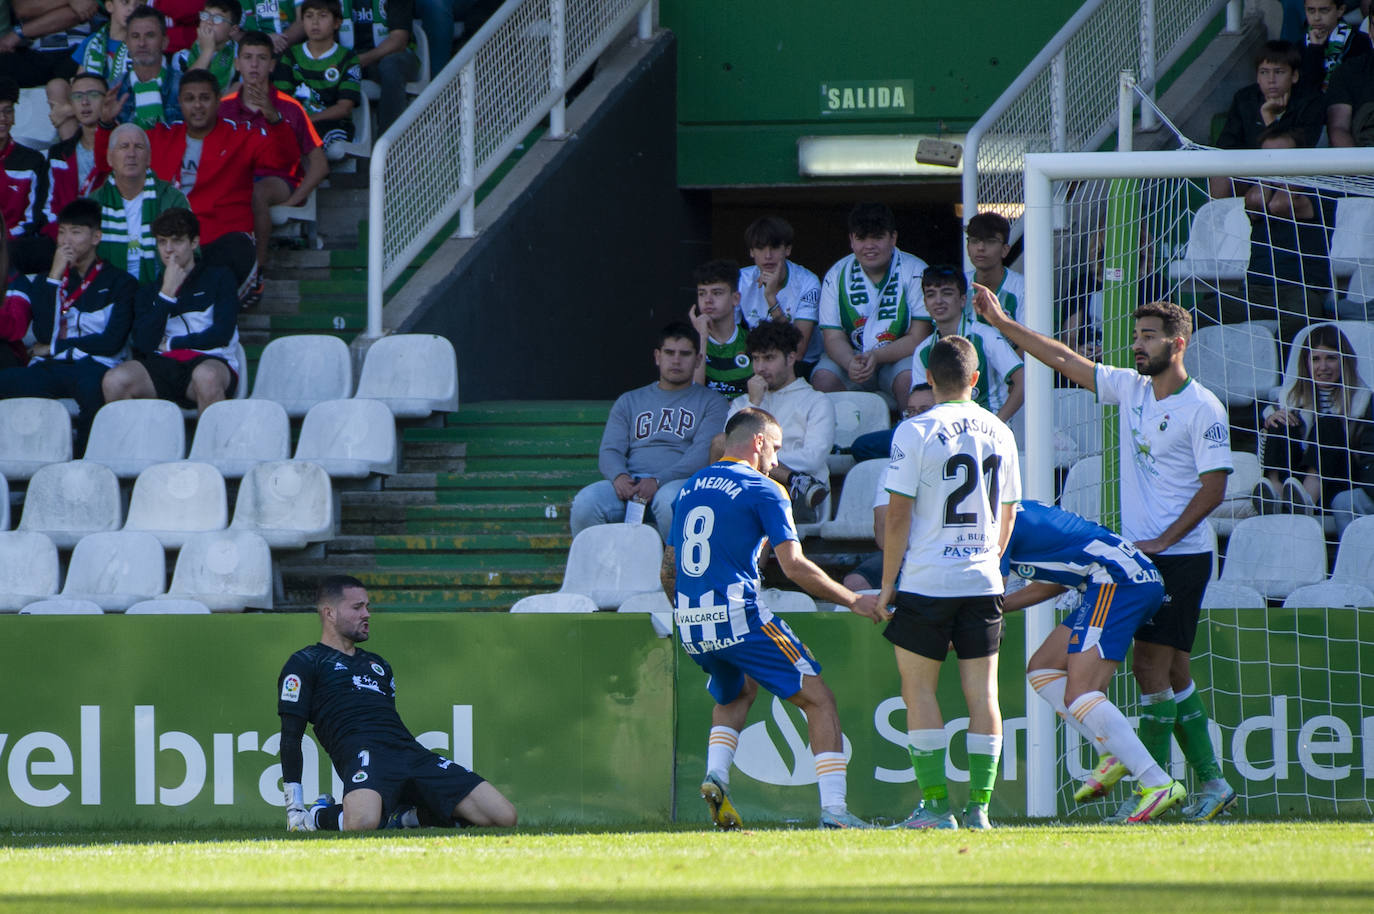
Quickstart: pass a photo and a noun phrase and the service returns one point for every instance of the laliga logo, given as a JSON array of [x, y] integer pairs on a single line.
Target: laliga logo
[[758, 755]]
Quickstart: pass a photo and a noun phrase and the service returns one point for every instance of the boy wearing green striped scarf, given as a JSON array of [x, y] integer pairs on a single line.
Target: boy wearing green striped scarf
[[103, 53], [149, 89]]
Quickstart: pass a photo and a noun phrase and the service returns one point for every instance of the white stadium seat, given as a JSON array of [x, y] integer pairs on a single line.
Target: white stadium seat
[[128, 436], [349, 438], [1237, 362], [37, 432], [173, 501], [655, 604], [300, 371], [168, 608], [1330, 595], [1276, 554], [787, 601], [1240, 485], [1218, 244], [234, 436], [555, 603], [612, 562], [28, 569], [4, 503], [1351, 246], [59, 606], [856, 413], [1082, 492], [289, 503], [1361, 337], [69, 500], [854, 517], [414, 374], [1355, 554], [1078, 415], [116, 570], [1225, 595], [228, 571]]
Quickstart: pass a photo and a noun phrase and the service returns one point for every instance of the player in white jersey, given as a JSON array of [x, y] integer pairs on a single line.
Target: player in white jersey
[[724, 517], [952, 480], [1175, 456], [776, 289]]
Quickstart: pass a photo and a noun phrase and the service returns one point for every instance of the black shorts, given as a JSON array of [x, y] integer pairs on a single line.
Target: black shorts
[[1185, 581], [408, 774], [172, 377], [927, 625]]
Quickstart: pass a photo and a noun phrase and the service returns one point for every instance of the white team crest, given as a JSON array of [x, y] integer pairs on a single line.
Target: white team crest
[[742, 360], [291, 688], [360, 777], [759, 757], [377, 668], [331, 75]]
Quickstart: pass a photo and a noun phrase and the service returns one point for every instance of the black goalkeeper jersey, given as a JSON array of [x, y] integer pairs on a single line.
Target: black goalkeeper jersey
[[350, 700]]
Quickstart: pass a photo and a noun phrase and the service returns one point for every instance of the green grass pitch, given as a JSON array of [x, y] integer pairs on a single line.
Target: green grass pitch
[[1326, 867]]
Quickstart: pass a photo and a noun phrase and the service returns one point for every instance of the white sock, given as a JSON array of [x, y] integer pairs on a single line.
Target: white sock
[[984, 743], [1186, 691], [1112, 733], [1049, 685], [720, 751], [927, 740], [830, 778], [1155, 698]]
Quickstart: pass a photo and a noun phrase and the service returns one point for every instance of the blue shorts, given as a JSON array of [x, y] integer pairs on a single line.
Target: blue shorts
[[1108, 616], [771, 654]]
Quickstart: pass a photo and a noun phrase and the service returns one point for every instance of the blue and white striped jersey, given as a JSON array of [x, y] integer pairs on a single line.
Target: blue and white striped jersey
[[1051, 544]]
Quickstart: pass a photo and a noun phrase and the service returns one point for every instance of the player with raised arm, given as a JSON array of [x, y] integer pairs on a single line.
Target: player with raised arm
[[349, 694], [953, 477], [1175, 456], [724, 518], [1119, 589]]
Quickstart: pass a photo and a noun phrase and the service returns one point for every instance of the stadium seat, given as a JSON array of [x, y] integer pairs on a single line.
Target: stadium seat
[[228, 571], [612, 562], [856, 413], [116, 570], [1355, 554], [168, 608], [787, 601], [414, 374], [69, 500], [4, 503], [1276, 554], [1330, 595], [854, 517], [306, 215], [1225, 595], [289, 503], [58, 606], [1237, 362], [1218, 244], [128, 436], [1078, 415], [349, 438], [174, 501], [1083, 488], [1352, 238], [361, 144], [234, 436], [1361, 337], [28, 569], [656, 604], [555, 603], [300, 371], [37, 432], [1240, 484]]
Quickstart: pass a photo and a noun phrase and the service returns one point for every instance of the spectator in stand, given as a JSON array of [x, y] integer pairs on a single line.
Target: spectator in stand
[[871, 311], [185, 336], [1279, 98], [104, 53], [16, 313], [656, 437], [379, 32], [274, 18], [130, 199], [37, 43], [776, 289], [726, 368], [214, 48], [1350, 103], [324, 76], [82, 315], [437, 17], [989, 235], [75, 166], [150, 87], [807, 416], [23, 193], [1329, 42], [259, 104], [183, 22], [1316, 442]]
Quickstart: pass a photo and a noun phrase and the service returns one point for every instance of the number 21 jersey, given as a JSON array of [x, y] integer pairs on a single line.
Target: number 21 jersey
[[959, 463]]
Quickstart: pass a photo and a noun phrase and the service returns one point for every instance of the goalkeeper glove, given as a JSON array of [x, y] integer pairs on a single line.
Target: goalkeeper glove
[[297, 818]]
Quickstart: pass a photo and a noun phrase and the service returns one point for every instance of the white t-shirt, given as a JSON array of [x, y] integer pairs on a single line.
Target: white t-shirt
[[1165, 446], [873, 315], [190, 164], [799, 299], [807, 417], [959, 463]]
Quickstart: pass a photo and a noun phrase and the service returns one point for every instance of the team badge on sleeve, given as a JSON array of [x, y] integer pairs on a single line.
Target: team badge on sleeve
[[291, 688], [377, 668]]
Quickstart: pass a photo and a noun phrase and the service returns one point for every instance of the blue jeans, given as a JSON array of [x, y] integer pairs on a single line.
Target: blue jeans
[[392, 73], [598, 504], [437, 17], [1348, 505]]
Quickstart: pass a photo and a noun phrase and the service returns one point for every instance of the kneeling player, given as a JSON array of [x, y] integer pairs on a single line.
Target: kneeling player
[[1121, 590], [723, 519], [349, 695]]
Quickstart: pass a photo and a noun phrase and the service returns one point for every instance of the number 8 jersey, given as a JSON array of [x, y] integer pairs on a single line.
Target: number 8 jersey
[[959, 463], [721, 518]]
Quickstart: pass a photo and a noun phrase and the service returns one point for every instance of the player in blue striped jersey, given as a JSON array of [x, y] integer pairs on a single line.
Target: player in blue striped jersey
[[1120, 590], [724, 519]]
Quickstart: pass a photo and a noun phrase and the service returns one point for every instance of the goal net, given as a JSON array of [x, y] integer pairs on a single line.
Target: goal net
[[1272, 252]]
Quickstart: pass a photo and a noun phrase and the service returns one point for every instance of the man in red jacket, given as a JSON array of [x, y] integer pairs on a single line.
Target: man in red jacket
[[212, 161]]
